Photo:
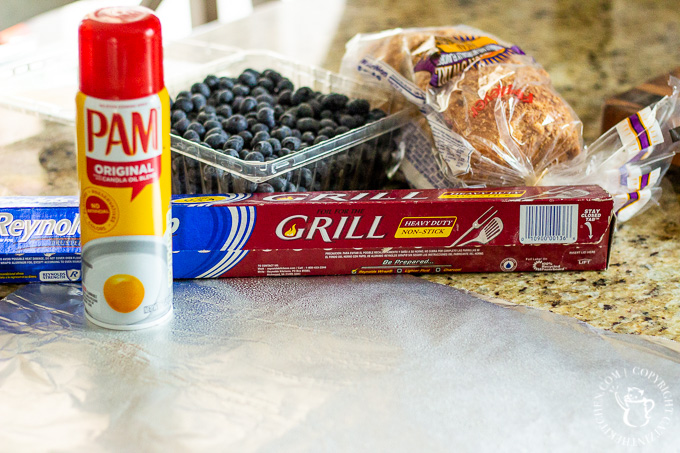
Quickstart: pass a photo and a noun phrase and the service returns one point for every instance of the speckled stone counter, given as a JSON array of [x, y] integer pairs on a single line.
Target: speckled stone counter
[[592, 50]]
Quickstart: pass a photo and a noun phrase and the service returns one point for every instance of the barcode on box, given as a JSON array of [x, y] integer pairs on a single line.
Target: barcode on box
[[548, 224]]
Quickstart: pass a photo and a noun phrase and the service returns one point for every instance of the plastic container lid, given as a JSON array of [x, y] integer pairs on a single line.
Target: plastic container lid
[[120, 53]]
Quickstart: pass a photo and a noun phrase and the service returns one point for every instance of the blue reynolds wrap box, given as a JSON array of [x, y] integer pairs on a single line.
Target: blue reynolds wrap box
[[344, 232], [39, 239]]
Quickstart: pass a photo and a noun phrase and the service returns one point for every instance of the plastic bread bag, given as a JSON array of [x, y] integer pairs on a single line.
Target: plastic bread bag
[[491, 111], [630, 159]]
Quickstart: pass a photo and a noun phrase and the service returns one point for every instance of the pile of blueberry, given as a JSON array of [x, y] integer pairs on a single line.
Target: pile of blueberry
[[261, 116]]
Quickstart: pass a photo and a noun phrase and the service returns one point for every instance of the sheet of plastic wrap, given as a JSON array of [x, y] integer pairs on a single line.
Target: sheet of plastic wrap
[[328, 364]]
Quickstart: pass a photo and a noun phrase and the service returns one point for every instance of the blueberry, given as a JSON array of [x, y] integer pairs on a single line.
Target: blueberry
[[266, 98], [200, 88], [284, 84], [327, 131], [231, 152], [302, 94], [264, 188], [290, 187], [348, 121], [259, 137], [182, 125], [249, 187], [296, 133], [266, 83], [291, 143], [263, 105], [191, 135], [358, 107], [305, 111], [278, 184], [226, 83], [272, 75], [306, 178], [225, 96], [276, 144], [207, 109], [285, 152], [240, 90], [177, 115], [359, 120], [320, 138], [216, 130], [265, 148], [328, 123], [307, 124], [258, 91], [341, 130], [212, 124], [235, 124], [183, 94], [211, 80], [326, 114], [287, 120], [234, 142], [236, 103], [247, 137], [204, 116], [216, 141], [174, 131], [243, 153], [308, 137], [198, 127], [278, 111], [224, 110], [248, 79], [376, 114], [266, 116], [252, 115], [248, 104], [316, 107], [285, 97], [255, 156], [334, 102], [184, 104], [281, 132], [258, 127], [252, 121]]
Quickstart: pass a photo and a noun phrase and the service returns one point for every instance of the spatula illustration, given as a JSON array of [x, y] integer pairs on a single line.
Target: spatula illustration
[[476, 224], [488, 233]]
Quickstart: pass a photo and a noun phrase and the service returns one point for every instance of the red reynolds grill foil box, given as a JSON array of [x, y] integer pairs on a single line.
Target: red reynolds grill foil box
[[325, 233]]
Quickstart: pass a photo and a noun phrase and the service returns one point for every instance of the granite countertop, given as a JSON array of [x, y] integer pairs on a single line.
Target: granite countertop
[[592, 50]]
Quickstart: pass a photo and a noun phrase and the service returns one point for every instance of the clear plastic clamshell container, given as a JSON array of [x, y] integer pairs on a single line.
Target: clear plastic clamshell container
[[361, 158], [46, 84]]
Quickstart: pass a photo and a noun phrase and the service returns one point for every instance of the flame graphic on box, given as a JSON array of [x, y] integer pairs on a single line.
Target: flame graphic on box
[[290, 232]]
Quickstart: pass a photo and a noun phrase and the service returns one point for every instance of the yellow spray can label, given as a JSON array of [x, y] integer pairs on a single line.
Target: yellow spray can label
[[124, 173]]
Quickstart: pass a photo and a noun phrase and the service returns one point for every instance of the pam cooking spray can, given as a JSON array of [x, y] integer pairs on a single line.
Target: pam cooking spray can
[[123, 131]]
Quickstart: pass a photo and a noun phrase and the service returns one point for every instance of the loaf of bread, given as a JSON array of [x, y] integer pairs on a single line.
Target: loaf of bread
[[488, 92]]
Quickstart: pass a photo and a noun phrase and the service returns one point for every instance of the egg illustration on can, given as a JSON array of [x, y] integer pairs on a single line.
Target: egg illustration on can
[[123, 139]]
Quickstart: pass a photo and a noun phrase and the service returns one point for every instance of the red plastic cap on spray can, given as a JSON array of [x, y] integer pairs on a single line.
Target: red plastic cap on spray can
[[121, 53]]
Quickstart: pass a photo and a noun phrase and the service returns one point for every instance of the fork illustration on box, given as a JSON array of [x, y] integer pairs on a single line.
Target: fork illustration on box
[[492, 227]]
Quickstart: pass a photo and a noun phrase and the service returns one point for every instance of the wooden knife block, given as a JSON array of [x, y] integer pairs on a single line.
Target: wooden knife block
[[623, 105]]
